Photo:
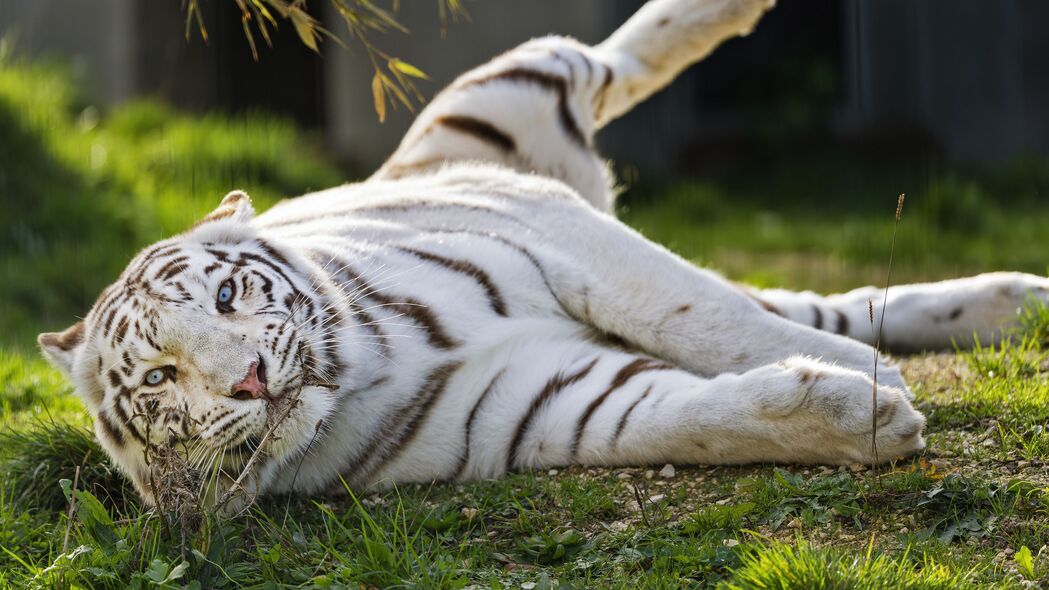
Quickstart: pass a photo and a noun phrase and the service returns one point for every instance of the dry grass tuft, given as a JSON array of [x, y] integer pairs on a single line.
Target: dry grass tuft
[[177, 488]]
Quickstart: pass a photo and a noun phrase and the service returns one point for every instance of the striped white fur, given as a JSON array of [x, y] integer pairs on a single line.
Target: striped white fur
[[473, 308]]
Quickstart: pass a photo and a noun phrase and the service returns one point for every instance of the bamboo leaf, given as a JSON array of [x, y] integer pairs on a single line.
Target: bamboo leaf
[[407, 68], [398, 93], [379, 97], [264, 12], [192, 8], [251, 38], [304, 27]]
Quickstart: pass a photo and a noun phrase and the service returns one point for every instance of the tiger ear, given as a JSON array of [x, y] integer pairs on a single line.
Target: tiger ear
[[61, 348], [236, 206]]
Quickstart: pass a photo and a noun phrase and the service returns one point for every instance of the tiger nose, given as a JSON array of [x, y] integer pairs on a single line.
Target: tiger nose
[[253, 386]]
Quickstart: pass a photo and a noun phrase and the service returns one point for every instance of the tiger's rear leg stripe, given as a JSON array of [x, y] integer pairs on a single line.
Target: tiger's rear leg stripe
[[555, 385], [398, 428], [626, 416], [435, 386], [628, 372], [464, 459]]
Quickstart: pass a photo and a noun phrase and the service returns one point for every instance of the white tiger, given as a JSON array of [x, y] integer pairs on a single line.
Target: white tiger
[[474, 309]]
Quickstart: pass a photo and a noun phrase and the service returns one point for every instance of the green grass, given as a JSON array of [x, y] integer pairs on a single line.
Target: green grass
[[83, 190], [844, 244], [91, 187], [783, 567]]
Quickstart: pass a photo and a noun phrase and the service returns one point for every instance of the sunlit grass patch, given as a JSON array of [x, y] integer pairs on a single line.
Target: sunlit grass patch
[[33, 391], [991, 402], [804, 567]]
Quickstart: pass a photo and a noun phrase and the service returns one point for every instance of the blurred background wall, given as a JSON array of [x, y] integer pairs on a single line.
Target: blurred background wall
[[952, 80]]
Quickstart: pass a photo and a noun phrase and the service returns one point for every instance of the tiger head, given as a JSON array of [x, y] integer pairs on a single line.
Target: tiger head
[[209, 342]]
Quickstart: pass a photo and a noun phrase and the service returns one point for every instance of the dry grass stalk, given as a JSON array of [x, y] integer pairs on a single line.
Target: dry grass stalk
[[72, 508], [874, 388], [69, 522], [881, 327], [639, 496]]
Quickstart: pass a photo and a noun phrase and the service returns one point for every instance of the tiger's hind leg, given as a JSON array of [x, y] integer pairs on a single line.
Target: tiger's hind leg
[[796, 411], [924, 316], [537, 107]]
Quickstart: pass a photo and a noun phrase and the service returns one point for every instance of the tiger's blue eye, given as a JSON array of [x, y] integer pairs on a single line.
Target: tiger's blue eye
[[225, 293], [156, 377]]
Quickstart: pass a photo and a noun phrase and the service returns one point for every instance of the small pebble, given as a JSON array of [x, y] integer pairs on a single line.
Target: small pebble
[[650, 474], [656, 498], [552, 472], [667, 471], [731, 542], [624, 475]]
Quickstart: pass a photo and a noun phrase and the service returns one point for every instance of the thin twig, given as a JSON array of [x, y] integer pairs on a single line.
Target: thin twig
[[294, 478], [640, 504], [69, 519], [259, 451], [874, 388], [881, 326], [72, 507]]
